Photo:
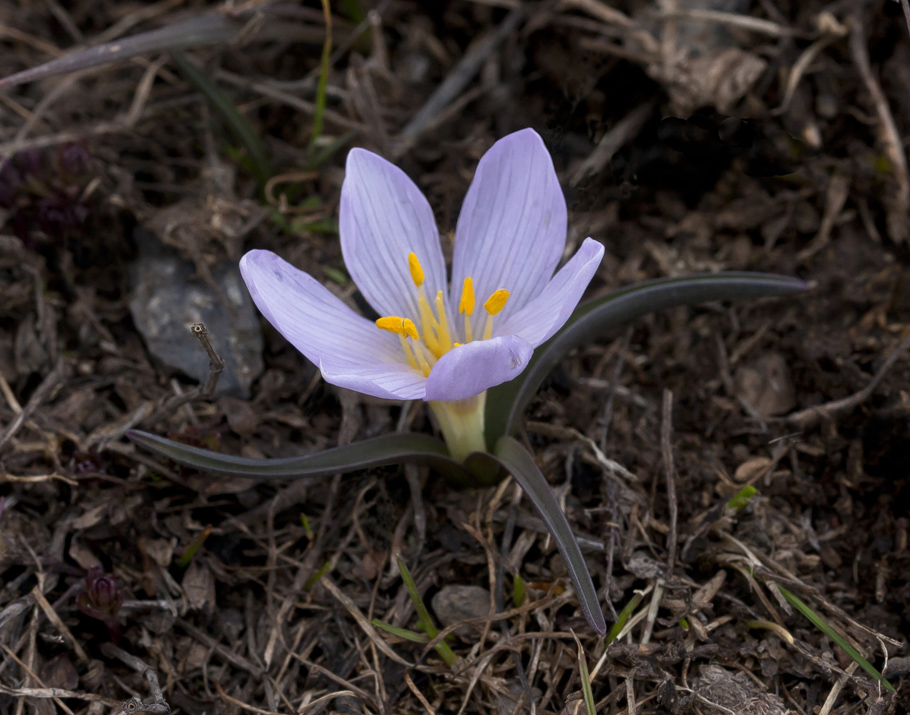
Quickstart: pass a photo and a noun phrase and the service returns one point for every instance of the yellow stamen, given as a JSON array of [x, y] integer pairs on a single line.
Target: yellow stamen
[[398, 325], [445, 338], [428, 324], [455, 345], [466, 306], [408, 353], [467, 297], [494, 305], [416, 269], [403, 328], [496, 302], [422, 360]]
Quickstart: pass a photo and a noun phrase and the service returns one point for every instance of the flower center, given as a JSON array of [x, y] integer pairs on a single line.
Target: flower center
[[424, 346]]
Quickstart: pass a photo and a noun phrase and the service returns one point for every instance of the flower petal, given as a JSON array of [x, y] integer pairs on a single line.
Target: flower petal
[[512, 228], [391, 381], [537, 321], [349, 350], [383, 217], [474, 367]]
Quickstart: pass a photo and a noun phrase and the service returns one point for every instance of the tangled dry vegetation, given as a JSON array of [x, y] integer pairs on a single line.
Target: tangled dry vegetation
[[689, 136]]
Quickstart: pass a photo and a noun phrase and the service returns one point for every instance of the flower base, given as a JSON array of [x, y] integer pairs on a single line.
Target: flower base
[[462, 424]]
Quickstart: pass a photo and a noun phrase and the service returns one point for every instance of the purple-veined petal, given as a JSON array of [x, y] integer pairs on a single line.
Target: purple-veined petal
[[383, 217], [512, 228], [349, 350], [391, 381], [474, 367], [544, 315]]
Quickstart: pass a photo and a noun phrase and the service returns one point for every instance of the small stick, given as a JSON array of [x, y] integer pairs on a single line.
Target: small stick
[[899, 204], [216, 362], [41, 393], [165, 405], [462, 73], [666, 433], [811, 416], [157, 705]]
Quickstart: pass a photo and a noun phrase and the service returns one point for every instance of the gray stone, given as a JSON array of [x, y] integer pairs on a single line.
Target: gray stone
[[454, 604], [167, 299]]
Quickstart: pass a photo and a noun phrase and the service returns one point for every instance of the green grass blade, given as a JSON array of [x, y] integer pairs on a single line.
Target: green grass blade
[[742, 498], [819, 623], [425, 620], [194, 547], [506, 403], [319, 114], [315, 578], [518, 591], [239, 127], [401, 632], [375, 452], [511, 456], [624, 616], [585, 678]]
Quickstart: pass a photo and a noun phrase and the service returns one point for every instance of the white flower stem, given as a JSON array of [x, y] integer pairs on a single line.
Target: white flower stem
[[462, 424]]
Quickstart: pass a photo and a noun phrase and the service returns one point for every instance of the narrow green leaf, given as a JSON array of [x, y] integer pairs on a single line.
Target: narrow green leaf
[[425, 620], [401, 632], [314, 579], [585, 678], [518, 591], [511, 456], [239, 127], [375, 452], [194, 547], [742, 498], [819, 623], [325, 65], [624, 615], [307, 529], [196, 32], [506, 403]]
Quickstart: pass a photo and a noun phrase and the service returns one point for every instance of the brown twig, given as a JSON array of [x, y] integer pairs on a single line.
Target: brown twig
[[41, 393], [462, 73], [899, 206], [157, 705], [666, 434], [811, 416], [216, 363]]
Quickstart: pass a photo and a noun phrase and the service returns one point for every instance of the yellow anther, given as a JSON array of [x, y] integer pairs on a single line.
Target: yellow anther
[[496, 302], [455, 345], [399, 326], [467, 297], [415, 268]]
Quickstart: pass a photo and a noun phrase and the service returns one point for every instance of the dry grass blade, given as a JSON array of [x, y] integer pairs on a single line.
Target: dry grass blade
[[890, 136], [804, 419], [199, 31]]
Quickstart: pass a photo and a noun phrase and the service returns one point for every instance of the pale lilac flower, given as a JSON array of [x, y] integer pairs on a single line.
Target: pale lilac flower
[[437, 341]]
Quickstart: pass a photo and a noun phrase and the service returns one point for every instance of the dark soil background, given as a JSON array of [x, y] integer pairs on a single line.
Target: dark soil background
[[690, 135]]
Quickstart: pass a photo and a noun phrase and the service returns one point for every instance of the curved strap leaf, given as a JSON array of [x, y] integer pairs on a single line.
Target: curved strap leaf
[[511, 456], [506, 403], [375, 452]]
